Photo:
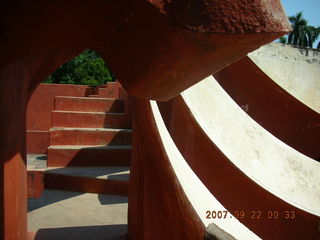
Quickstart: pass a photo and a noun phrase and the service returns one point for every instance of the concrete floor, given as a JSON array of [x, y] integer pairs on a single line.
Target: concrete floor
[[36, 161], [73, 215], [61, 215]]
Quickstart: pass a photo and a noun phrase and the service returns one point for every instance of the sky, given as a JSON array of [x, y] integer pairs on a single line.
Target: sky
[[310, 10]]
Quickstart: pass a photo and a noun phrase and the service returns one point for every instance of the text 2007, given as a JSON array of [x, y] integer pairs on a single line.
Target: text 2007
[[216, 214]]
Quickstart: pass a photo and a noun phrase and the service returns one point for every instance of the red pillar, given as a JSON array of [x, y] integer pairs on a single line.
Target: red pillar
[[18, 80], [13, 202]]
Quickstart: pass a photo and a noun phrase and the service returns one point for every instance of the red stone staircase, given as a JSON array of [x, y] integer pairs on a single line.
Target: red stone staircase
[[90, 144]]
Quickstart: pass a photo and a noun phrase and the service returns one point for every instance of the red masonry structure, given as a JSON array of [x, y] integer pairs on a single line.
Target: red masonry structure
[[156, 48]]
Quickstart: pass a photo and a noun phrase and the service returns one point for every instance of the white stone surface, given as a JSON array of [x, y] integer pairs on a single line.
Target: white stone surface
[[268, 161], [296, 70], [72, 215]]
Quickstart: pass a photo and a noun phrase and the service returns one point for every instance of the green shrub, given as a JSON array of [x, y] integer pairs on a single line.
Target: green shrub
[[86, 69]]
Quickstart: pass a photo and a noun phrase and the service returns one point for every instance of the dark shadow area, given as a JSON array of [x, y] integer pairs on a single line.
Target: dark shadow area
[[43, 157], [107, 232], [77, 180], [116, 120], [111, 199], [91, 91], [120, 177], [93, 172], [100, 156], [118, 106]]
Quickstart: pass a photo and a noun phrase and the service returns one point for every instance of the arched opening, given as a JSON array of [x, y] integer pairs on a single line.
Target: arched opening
[[78, 152]]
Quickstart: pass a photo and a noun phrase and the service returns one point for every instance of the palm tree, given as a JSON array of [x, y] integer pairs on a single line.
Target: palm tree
[[313, 33], [302, 34], [298, 36]]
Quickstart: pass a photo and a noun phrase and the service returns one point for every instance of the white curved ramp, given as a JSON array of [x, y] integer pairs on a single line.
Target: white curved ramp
[[296, 70], [268, 161], [200, 198]]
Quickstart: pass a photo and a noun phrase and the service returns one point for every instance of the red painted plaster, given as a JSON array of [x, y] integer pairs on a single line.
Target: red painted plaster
[[158, 207], [35, 182], [41, 103], [37, 141], [155, 53]]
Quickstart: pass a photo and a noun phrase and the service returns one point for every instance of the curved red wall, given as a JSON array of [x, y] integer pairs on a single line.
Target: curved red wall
[[158, 207]]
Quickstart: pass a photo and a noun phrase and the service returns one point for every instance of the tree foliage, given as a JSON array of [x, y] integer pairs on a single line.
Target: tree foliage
[[282, 39], [302, 34], [86, 69]]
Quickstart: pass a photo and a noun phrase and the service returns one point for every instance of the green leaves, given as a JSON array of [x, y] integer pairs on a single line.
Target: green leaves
[[86, 69]]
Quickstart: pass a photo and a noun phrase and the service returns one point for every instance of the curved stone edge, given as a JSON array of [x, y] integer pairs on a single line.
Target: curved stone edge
[[295, 69], [272, 106]]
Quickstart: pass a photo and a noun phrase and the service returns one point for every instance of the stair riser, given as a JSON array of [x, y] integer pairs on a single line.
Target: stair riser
[[88, 157], [35, 183], [109, 92], [85, 184], [82, 137], [89, 105], [89, 120]]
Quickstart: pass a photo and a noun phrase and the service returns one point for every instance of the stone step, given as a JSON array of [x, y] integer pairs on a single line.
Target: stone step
[[88, 119], [90, 136], [35, 183], [88, 155], [111, 92], [88, 104], [111, 89], [102, 180], [36, 165]]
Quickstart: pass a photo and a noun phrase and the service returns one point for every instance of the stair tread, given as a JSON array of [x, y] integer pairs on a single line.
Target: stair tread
[[75, 112], [91, 98], [107, 173], [91, 129], [89, 147]]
